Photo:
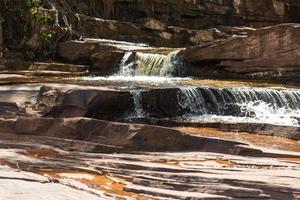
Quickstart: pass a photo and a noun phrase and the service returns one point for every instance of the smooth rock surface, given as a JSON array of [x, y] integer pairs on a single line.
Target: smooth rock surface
[[56, 166]]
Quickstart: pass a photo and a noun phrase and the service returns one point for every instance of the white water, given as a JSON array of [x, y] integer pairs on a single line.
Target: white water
[[150, 64], [138, 79], [241, 104], [251, 105], [138, 109]]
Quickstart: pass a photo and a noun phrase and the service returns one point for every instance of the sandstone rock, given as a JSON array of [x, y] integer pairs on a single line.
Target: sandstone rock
[[150, 31], [154, 24], [106, 63], [79, 102], [9, 110], [47, 66], [81, 52], [99, 28], [289, 132], [197, 14], [52, 163], [129, 136], [16, 184], [267, 53]]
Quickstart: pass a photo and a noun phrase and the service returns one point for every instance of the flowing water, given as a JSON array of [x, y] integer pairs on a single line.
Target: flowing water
[[255, 105], [139, 71], [138, 109], [150, 64]]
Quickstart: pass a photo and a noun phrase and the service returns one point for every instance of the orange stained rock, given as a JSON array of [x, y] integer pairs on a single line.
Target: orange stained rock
[[41, 152], [224, 163], [111, 186], [297, 160], [273, 142]]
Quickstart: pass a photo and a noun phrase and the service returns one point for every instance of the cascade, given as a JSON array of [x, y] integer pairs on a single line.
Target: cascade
[[126, 67], [150, 64], [253, 103], [137, 100]]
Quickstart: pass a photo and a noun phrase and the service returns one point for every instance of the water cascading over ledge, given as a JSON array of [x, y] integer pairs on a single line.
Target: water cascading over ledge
[[151, 64], [204, 104]]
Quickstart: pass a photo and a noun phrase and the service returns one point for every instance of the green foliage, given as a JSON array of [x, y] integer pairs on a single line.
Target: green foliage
[[32, 11], [47, 37], [41, 18], [31, 3]]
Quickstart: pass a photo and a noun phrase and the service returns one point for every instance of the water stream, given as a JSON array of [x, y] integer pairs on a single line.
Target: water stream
[[254, 105], [140, 71], [150, 64]]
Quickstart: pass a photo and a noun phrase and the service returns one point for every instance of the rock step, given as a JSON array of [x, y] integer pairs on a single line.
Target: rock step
[[12, 65], [122, 136], [149, 106], [149, 31], [290, 132], [259, 55], [45, 73], [47, 66]]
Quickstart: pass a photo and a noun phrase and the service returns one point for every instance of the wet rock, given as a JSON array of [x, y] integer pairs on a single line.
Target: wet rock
[[79, 102], [161, 103], [107, 62]]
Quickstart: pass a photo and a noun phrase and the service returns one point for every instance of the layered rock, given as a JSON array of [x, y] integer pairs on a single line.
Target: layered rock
[[153, 106], [117, 136], [56, 167], [268, 53], [194, 14]]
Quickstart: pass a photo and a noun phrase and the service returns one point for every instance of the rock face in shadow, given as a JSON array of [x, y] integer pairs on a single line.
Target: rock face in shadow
[[193, 14], [268, 53], [94, 103]]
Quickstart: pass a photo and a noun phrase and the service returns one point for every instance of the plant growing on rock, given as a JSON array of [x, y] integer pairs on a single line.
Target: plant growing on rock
[[40, 17], [47, 38]]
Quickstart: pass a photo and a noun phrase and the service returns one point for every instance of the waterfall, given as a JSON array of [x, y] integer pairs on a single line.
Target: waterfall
[[193, 100], [137, 100], [260, 104], [126, 67], [150, 64]]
